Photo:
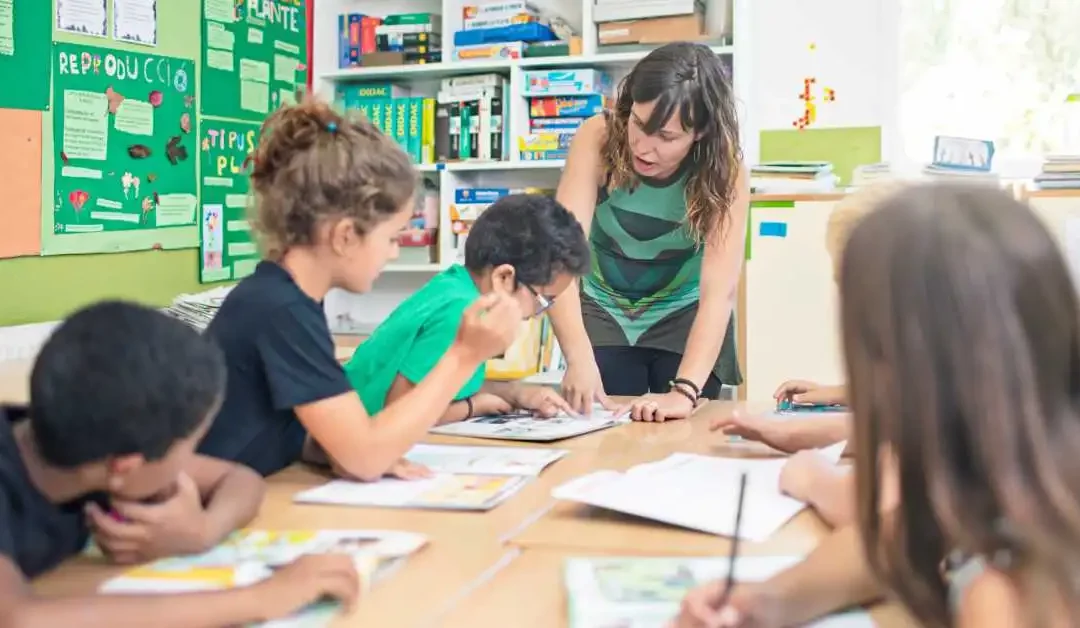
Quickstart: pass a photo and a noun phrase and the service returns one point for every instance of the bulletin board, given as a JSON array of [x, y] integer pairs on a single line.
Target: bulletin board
[[227, 250], [253, 54], [25, 40], [124, 165]]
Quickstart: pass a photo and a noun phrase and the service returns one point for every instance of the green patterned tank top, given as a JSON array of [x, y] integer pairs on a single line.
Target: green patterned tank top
[[644, 286]]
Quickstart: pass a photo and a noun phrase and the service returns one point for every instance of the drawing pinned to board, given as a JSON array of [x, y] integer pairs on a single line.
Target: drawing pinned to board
[[7, 28], [123, 166], [85, 17], [135, 21]]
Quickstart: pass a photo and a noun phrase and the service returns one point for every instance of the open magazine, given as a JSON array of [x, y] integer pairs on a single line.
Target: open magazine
[[525, 427], [646, 592], [248, 556], [696, 492], [484, 460], [443, 491]]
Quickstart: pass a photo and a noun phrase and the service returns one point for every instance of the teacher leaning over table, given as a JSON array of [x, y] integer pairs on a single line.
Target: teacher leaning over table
[[660, 187]]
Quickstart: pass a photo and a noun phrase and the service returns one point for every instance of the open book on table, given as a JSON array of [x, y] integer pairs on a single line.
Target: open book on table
[[484, 460], [646, 592], [248, 556], [525, 427], [443, 491], [696, 492]]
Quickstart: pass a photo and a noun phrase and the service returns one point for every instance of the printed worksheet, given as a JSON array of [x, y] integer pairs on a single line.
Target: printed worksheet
[[248, 556], [444, 491], [646, 592], [484, 460], [525, 427], [696, 492]]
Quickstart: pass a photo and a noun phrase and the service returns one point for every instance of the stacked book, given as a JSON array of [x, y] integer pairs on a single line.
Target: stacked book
[[500, 29], [559, 102], [791, 177], [408, 38], [1060, 172], [199, 309]]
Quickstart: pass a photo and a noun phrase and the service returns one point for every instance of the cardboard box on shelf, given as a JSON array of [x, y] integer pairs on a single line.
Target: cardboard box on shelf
[[659, 30]]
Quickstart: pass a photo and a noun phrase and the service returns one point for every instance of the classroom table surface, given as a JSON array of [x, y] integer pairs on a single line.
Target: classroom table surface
[[502, 567]]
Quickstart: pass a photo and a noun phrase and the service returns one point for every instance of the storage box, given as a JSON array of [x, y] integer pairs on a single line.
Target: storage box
[[620, 10], [506, 50], [659, 30], [566, 82], [565, 106]]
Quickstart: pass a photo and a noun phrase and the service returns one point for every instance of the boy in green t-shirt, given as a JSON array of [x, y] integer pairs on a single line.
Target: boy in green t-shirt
[[526, 245]]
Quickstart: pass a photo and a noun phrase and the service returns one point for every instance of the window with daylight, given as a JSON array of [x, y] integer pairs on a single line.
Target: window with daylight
[[1002, 70]]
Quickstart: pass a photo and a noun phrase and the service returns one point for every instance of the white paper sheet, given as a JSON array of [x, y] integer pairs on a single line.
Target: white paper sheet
[[449, 491], [485, 460], [646, 592], [696, 492]]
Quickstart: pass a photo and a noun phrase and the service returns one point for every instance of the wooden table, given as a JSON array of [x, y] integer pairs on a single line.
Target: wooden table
[[503, 567]]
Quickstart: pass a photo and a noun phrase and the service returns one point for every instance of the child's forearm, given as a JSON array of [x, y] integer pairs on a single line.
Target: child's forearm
[[833, 497], [508, 391], [233, 503], [193, 610], [456, 411]]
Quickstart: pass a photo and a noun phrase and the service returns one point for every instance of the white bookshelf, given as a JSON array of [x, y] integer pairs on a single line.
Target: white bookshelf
[[401, 279]]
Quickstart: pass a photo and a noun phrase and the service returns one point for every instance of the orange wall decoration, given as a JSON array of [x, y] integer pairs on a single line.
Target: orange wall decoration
[[20, 192]]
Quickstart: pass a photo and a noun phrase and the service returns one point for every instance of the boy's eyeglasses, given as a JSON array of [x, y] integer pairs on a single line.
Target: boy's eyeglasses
[[543, 303]]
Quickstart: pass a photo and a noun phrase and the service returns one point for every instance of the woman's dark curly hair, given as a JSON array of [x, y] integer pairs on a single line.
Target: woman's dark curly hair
[[691, 80]]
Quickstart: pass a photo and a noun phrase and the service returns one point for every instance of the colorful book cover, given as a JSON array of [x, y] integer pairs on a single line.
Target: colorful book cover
[[401, 123], [389, 127], [427, 140], [414, 134], [249, 556]]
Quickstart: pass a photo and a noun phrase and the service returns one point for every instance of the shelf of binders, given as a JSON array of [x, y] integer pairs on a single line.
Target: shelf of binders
[[445, 69]]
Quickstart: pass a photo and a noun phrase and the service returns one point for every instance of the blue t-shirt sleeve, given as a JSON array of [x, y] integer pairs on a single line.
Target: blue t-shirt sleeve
[[7, 524], [297, 353], [432, 341]]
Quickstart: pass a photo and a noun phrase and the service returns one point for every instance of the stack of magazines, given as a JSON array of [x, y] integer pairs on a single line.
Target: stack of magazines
[[199, 309]]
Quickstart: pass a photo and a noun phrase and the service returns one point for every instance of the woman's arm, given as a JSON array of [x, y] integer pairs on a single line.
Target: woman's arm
[[720, 269], [581, 178]]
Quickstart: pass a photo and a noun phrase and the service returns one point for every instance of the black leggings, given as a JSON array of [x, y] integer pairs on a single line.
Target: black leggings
[[634, 371]]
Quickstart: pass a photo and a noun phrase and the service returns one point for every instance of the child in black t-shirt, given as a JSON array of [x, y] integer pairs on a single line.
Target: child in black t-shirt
[[331, 196], [119, 396]]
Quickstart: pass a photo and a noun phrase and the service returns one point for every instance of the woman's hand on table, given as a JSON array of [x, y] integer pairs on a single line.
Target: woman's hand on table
[[802, 391], [657, 408], [541, 401], [748, 606], [484, 404], [582, 385]]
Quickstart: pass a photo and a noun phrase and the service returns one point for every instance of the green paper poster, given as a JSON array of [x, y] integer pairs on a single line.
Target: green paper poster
[[122, 132], [253, 52], [227, 250], [25, 42], [845, 147]]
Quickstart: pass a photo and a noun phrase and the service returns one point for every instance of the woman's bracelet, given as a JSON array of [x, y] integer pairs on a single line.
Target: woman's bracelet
[[469, 407], [685, 382], [680, 388]]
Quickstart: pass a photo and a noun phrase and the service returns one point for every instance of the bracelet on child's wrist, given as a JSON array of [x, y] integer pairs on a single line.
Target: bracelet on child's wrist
[[468, 407]]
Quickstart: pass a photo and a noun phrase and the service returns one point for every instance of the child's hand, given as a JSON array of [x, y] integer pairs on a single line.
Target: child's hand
[[489, 327], [748, 605], [541, 400], [801, 391], [407, 470], [307, 580], [803, 471], [142, 532], [486, 403], [786, 436]]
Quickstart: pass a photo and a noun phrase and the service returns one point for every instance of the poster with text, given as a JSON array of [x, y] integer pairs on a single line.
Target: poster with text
[[254, 56], [227, 250], [123, 128]]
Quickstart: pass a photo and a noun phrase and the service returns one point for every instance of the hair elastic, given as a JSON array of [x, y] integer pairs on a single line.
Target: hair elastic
[[332, 127]]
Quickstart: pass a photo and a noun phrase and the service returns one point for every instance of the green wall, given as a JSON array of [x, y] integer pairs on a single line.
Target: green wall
[[39, 289]]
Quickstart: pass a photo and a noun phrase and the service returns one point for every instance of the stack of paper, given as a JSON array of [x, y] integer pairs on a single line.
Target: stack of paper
[[1060, 172], [786, 177], [199, 309], [249, 556], [525, 427], [646, 592], [696, 492]]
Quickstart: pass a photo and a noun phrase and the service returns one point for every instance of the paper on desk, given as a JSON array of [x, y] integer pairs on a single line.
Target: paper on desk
[[696, 492], [527, 428], [484, 460], [443, 491], [646, 592], [249, 556]]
